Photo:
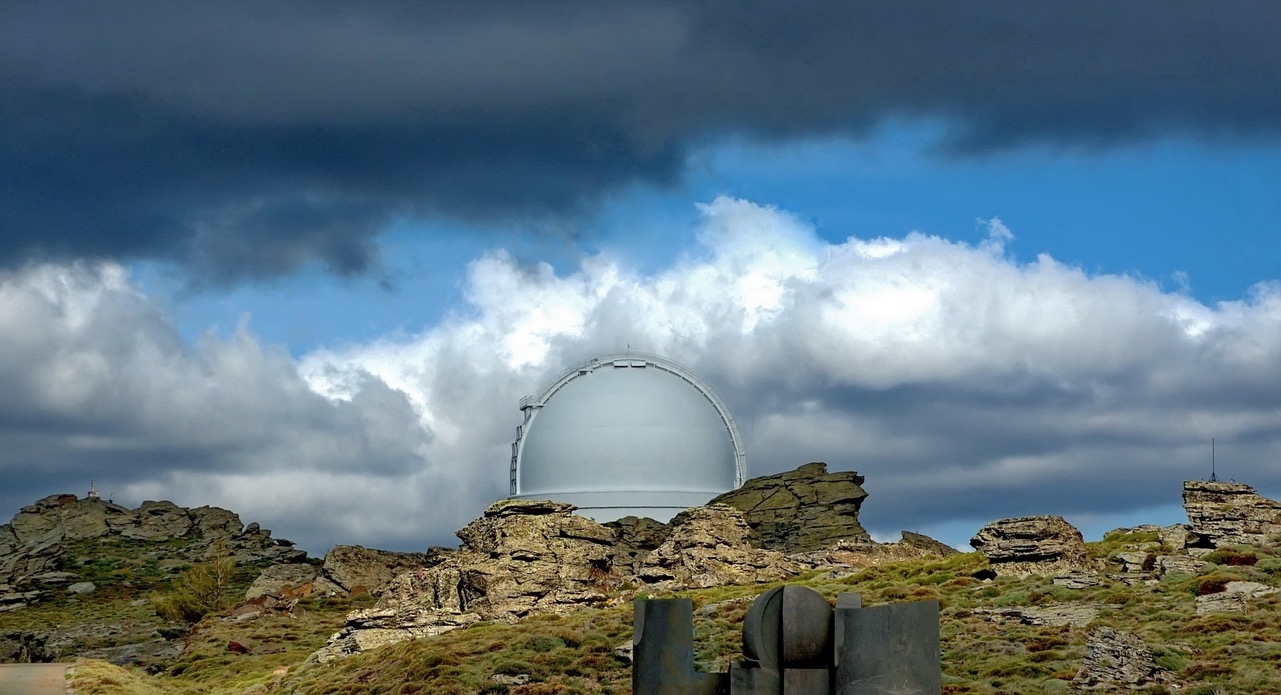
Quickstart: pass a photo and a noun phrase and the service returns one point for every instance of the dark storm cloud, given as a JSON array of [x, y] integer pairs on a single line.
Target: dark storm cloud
[[242, 139]]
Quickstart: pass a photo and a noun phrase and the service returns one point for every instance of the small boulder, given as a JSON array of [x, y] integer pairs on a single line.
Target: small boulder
[[81, 588]]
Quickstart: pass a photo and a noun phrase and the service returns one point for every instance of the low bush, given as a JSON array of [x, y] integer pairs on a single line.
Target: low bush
[[200, 590]]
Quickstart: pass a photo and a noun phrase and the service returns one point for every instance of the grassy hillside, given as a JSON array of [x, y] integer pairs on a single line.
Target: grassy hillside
[[1207, 654]]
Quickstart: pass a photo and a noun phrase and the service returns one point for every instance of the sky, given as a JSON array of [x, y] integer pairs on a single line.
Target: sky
[[302, 260]]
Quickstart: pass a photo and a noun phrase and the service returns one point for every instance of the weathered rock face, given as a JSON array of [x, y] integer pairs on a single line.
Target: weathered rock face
[[66, 517], [521, 557], [353, 567], [712, 546], [158, 521], [1223, 514], [1117, 661], [801, 510], [634, 538], [278, 580], [1045, 545]]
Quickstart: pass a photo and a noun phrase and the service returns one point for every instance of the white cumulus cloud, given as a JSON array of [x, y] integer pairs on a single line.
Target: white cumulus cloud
[[964, 383]]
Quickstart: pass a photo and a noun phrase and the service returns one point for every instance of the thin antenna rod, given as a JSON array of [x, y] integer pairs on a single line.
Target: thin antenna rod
[[1213, 477]]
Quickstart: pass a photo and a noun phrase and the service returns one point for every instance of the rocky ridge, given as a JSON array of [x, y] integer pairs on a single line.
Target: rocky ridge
[[33, 557]]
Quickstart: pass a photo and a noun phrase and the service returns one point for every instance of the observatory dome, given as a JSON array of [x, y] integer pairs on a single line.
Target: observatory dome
[[626, 434]]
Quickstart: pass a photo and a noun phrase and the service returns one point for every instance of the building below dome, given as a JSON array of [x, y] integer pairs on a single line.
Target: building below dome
[[626, 434]]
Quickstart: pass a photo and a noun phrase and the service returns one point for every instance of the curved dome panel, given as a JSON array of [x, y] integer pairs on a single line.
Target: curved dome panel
[[626, 434]]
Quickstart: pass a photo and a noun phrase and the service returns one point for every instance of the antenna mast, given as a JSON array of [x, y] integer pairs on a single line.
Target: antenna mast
[[1213, 477]]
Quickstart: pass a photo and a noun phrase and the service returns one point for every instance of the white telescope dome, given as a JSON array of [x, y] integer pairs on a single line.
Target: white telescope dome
[[626, 434]]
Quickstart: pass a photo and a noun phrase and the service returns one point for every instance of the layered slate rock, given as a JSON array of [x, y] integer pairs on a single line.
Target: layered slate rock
[[801, 510], [1043, 545], [1225, 514], [712, 546], [1117, 661]]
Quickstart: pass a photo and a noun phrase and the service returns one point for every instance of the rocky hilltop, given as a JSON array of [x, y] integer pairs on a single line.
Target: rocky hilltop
[[81, 559], [35, 546]]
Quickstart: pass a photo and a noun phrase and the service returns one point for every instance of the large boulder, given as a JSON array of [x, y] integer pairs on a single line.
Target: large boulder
[[280, 580], [1225, 514], [1044, 545], [353, 567], [712, 546], [216, 522], [801, 510]]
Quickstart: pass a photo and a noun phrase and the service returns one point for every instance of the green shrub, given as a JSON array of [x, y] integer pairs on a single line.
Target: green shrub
[[200, 590]]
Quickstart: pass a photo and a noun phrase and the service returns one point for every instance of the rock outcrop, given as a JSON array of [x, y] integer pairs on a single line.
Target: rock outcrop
[[279, 580], [1117, 661], [1225, 514], [355, 568], [711, 546], [521, 557], [59, 545], [1235, 597], [32, 546], [929, 545], [801, 510], [634, 538], [1042, 545]]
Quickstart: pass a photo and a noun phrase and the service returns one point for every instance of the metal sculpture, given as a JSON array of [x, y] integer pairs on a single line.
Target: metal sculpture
[[794, 643]]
